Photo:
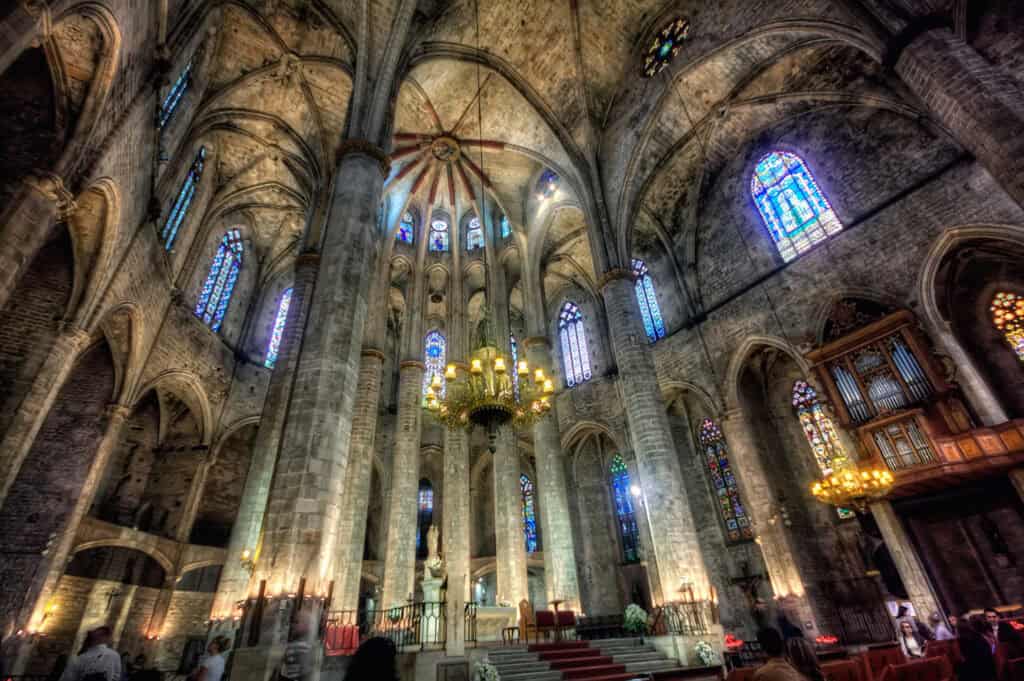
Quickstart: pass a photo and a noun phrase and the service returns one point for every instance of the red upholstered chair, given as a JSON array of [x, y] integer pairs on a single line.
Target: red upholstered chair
[[947, 649], [565, 620], [546, 623], [1013, 670], [928, 669], [876, 660], [741, 674], [843, 670]]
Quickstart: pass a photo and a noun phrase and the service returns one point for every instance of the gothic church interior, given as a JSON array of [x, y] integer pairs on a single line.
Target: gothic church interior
[[416, 316]]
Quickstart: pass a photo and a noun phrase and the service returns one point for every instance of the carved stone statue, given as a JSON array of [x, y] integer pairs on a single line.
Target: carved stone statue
[[434, 564]]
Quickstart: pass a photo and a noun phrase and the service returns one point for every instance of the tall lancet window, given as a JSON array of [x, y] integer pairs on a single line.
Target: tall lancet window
[[406, 228], [514, 351], [424, 516], [573, 337], [474, 235], [434, 356], [183, 202], [622, 495], [220, 282], [1008, 316], [820, 433], [277, 333], [174, 96], [654, 325], [793, 208], [529, 514], [439, 236], [716, 455]]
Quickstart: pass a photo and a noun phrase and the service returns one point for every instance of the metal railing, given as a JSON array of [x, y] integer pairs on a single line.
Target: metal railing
[[417, 626], [684, 618]]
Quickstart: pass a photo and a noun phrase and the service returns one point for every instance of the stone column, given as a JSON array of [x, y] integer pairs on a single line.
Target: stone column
[[975, 386], [25, 226], [352, 522], [912, 573], [455, 532], [37, 403], [978, 102], [780, 559], [245, 534], [19, 29], [400, 557], [299, 534], [674, 534], [510, 543], [560, 576]]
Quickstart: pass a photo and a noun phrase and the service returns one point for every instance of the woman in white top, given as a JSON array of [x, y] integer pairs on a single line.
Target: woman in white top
[[910, 641]]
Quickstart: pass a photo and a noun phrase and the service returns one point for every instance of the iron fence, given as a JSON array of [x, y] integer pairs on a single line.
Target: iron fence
[[684, 618], [417, 626]]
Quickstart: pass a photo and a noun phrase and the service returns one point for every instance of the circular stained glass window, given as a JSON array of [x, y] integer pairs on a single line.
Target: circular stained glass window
[[665, 46]]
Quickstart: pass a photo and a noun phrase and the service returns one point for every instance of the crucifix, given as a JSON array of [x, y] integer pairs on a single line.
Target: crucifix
[[111, 595], [748, 584]]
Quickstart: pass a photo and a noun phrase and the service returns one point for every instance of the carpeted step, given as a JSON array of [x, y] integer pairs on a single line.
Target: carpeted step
[[589, 661], [591, 673]]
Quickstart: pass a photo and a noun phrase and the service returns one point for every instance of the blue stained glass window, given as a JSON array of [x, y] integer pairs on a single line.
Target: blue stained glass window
[[406, 228], [793, 208], [424, 516], [434, 353], [622, 493], [514, 347], [439, 236], [547, 184], [506, 227], [174, 96], [650, 311], [529, 514], [573, 337], [474, 235], [716, 454], [181, 204], [274, 347], [215, 295]]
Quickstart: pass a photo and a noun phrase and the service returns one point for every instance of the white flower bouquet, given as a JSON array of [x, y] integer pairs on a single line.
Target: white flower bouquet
[[485, 671], [706, 654], [635, 619]]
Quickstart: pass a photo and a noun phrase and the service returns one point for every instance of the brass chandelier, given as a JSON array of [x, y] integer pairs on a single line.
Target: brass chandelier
[[852, 487]]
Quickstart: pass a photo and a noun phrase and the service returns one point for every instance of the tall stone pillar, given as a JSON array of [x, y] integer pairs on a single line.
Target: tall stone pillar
[[37, 403], [25, 225], [908, 565], [560, 577], [19, 29], [780, 558], [400, 557], [455, 532], [510, 543], [245, 534], [975, 387], [674, 534], [299, 536], [978, 102], [352, 522]]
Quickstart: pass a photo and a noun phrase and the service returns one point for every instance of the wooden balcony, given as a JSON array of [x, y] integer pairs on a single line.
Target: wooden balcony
[[971, 455]]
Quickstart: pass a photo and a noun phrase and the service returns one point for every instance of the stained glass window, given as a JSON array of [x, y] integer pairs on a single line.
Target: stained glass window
[[1008, 316], [665, 46], [274, 347], [215, 295], [793, 208], [575, 353], [439, 236], [434, 355], [406, 228], [716, 454], [654, 325], [174, 96], [424, 516], [529, 514], [474, 235], [622, 494], [820, 433], [506, 227], [184, 200], [514, 348], [547, 184]]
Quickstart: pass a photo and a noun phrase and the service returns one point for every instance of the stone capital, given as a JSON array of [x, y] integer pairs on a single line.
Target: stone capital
[[412, 364], [613, 275], [73, 335], [538, 341], [363, 147], [308, 259], [33, 8], [373, 352], [52, 187], [118, 411]]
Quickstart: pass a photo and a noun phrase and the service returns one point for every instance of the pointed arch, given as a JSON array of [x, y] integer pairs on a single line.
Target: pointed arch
[[215, 295], [277, 333], [794, 210], [573, 337], [646, 298]]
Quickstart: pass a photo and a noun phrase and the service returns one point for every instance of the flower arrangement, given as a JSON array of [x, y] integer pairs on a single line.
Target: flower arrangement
[[635, 619], [706, 654], [485, 671]]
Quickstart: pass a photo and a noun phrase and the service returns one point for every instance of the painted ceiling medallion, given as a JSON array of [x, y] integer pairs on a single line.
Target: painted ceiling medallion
[[666, 46], [446, 149]]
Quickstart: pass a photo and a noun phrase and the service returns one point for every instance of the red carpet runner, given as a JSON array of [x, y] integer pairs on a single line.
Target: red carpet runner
[[579, 662]]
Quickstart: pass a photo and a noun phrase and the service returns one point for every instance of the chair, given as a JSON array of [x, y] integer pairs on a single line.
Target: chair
[[843, 670], [947, 649], [542, 621], [876, 660], [545, 622], [927, 669], [1013, 670]]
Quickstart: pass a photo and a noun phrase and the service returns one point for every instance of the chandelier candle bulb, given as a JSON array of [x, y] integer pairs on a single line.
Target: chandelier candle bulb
[[549, 386], [450, 372], [499, 365], [476, 367], [539, 376]]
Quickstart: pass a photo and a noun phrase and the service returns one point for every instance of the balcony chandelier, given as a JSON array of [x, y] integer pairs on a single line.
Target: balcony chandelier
[[852, 487]]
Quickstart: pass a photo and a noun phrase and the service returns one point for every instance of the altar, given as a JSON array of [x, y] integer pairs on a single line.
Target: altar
[[490, 620]]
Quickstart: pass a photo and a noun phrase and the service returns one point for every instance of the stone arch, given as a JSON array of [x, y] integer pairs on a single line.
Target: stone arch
[[153, 552], [826, 306], [94, 227], [187, 387], [742, 354], [123, 325], [225, 475], [673, 390]]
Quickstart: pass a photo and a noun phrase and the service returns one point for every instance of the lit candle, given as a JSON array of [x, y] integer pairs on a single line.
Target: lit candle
[[450, 372], [477, 367], [524, 368], [499, 365], [539, 376], [436, 382], [549, 386]]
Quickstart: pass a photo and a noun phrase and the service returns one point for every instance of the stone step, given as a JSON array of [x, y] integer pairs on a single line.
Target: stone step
[[532, 676], [512, 657], [521, 667], [645, 656], [653, 666]]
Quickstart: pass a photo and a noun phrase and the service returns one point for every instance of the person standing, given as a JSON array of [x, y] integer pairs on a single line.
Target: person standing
[[939, 628], [96, 661], [211, 667]]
